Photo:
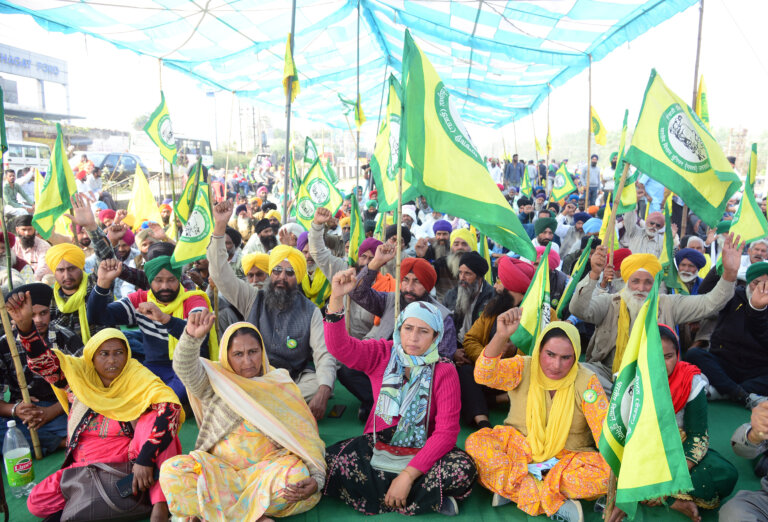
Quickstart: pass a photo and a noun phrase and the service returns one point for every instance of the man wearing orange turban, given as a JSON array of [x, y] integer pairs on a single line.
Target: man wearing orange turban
[[614, 314]]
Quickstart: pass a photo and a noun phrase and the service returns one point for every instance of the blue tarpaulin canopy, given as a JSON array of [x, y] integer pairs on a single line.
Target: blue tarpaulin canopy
[[499, 58]]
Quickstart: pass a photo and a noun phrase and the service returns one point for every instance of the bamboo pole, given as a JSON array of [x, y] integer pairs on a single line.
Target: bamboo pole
[[357, 107], [399, 252], [546, 140], [229, 137], [11, 340], [589, 135], [535, 140], [286, 176], [610, 499], [215, 288], [8, 266]]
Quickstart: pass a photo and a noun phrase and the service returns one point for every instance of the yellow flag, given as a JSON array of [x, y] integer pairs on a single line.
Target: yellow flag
[[193, 243], [142, 205], [702, 107], [539, 148], [290, 74], [62, 226], [749, 221], [58, 187], [549, 141], [597, 127]]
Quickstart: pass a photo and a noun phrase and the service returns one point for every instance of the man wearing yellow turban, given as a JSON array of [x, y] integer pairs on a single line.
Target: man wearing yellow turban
[[292, 326], [461, 240], [274, 217], [556, 412], [161, 314], [256, 269], [614, 314]]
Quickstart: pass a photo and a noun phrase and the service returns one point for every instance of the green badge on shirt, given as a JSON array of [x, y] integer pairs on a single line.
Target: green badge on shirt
[[589, 396], [291, 343]]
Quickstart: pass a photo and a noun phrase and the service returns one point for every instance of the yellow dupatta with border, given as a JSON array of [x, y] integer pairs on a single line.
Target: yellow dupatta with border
[[319, 290], [75, 303], [176, 309], [272, 402], [547, 436], [127, 397]]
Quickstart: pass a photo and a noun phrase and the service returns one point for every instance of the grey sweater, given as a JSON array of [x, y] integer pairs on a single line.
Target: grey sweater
[[218, 419]]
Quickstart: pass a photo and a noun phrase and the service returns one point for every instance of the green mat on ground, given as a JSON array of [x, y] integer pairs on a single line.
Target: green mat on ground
[[723, 420]]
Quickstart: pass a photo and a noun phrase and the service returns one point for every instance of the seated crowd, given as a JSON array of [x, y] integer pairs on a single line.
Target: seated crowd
[[295, 314]]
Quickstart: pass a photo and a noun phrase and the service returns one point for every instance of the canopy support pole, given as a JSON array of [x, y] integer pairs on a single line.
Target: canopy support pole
[[163, 179], [589, 136], [399, 252], [357, 107], [535, 140], [546, 140], [229, 136], [288, 120], [684, 220], [514, 134]]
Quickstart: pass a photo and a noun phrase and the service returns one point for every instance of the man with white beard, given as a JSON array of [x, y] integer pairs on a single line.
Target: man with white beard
[[461, 241], [644, 240], [613, 314], [736, 364], [467, 300]]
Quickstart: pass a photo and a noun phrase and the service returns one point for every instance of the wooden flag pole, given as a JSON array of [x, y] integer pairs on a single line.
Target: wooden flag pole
[[514, 134], [610, 498], [589, 136], [286, 177], [399, 253], [215, 288], [8, 266], [11, 340], [358, 106], [229, 136], [535, 148], [611, 227]]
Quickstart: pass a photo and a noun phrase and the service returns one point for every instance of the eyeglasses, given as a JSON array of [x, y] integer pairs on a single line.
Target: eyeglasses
[[289, 272]]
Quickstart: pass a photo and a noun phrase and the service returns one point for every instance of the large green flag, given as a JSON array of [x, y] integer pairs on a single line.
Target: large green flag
[[576, 274], [356, 232], [674, 147], [447, 169], [316, 191], [59, 186], [536, 307], [629, 192], [3, 139], [188, 198], [385, 159], [159, 130], [196, 235], [749, 221], [563, 184], [640, 439]]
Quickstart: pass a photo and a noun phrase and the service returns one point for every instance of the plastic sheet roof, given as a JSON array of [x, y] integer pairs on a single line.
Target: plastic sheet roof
[[500, 58]]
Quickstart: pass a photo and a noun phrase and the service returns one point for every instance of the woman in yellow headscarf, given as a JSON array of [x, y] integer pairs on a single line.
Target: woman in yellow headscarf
[[119, 411], [544, 456], [258, 452]]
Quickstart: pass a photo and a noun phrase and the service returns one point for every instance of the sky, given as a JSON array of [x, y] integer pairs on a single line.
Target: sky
[[111, 87]]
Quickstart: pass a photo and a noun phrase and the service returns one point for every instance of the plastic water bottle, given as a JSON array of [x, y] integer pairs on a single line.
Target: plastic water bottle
[[18, 461]]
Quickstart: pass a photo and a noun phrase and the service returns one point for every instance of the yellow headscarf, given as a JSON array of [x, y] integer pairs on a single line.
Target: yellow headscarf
[[127, 397], [75, 302], [259, 260], [547, 436], [297, 260], [629, 266], [272, 402], [466, 235]]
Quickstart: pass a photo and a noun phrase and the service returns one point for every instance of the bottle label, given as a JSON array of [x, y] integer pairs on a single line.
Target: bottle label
[[19, 470]]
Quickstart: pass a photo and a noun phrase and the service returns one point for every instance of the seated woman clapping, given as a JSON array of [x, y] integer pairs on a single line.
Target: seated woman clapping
[[258, 452], [545, 454], [411, 464], [119, 411]]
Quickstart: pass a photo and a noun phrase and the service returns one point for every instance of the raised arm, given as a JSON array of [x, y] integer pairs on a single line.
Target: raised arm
[[587, 304], [363, 293], [186, 357], [238, 292], [490, 369], [101, 307], [325, 260]]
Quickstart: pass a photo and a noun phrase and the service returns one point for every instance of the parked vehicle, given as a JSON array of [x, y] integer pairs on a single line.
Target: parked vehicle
[[23, 154], [115, 166]]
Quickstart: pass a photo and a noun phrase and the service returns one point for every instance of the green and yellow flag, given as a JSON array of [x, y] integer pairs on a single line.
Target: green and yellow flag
[[563, 184], [536, 307], [356, 232], [63, 225], [702, 107], [576, 275], [310, 151], [160, 131], [628, 201], [58, 187], [539, 148], [290, 74], [640, 440], [188, 198], [604, 226], [385, 159], [294, 175], [316, 191], [350, 106], [598, 131], [193, 243], [142, 204], [526, 189], [447, 168], [749, 221], [674, 147], [483, 250]]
